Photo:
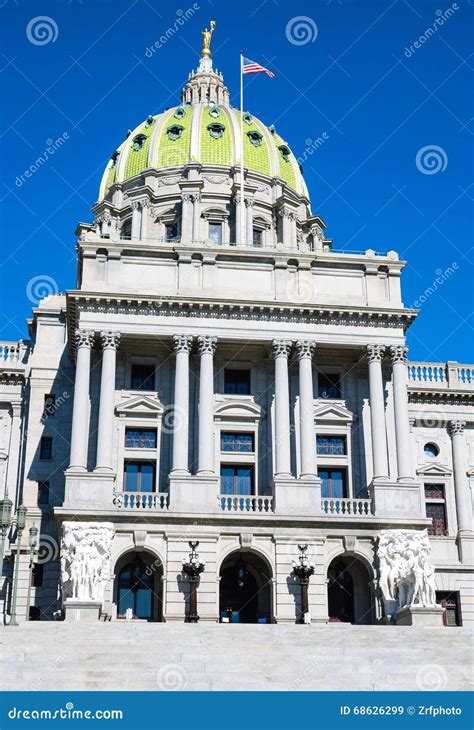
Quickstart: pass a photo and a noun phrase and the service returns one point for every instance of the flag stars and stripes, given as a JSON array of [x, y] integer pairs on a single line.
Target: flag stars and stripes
[[251, 67]]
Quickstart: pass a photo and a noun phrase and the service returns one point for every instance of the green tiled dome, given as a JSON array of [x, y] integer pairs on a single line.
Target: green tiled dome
[[209, 134]]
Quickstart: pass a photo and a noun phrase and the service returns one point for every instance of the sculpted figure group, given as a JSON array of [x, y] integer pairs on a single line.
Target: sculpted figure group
[[85, 560], [406, 577]]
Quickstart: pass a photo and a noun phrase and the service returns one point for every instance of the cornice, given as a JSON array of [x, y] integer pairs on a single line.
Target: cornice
[[433, 397]]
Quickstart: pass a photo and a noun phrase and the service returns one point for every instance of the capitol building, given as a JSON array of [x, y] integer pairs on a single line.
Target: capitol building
[[223, 375]]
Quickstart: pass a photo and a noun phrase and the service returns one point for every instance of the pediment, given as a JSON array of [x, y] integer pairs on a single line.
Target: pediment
[[332, 412], [140, 405], [434, 470], [237, 409]]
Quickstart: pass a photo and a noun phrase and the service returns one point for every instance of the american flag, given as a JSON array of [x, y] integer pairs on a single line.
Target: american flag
[[250, 67]]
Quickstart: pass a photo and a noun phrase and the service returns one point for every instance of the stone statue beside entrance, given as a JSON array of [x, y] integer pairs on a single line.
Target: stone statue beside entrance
[[85, 560]]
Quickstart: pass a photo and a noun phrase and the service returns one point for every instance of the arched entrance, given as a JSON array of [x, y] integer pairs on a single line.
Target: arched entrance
[[138, 586], [245, 589], [349, 595]]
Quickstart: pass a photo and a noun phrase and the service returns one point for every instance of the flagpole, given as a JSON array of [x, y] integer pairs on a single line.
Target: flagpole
[[242, 202]]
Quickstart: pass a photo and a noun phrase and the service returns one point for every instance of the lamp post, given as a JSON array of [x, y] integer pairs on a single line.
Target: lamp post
[[193, 566], [303, 570], [6, 506], [20, 526], [33, 543]]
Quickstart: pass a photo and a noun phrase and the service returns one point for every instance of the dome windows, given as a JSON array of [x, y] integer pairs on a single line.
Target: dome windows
[[214, 111], [149, 120], [180, 112], [272, 129], [175, 132], [138, 142], [431, 451], [216, 130], [248, 118], [285, 152], [255, 138], [115, 157]]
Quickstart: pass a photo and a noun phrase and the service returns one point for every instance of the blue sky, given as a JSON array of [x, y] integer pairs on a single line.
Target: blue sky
[[356, 71]]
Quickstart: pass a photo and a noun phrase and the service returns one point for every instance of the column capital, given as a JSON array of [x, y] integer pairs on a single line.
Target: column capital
[[182, 343], [375, 353], [110, 340], [206, 344], [281, 348], [84, 338], [196, 197], [145, 203], [187, 197], [456, 427], [135, 205], [305, 348], [398, 353]]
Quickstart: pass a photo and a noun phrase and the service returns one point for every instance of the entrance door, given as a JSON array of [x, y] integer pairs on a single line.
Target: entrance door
[[135, 590], [245, 590], [340, 593]]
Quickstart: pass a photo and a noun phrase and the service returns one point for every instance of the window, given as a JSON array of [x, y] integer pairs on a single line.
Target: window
[[236, 382], [285, 152], [46, 448], [171, 231], [138, 142], [431, 451], [243, 442], [333, 483], [49, 405], [174, 132], [436, 509], [143, 377], [43, 493], [449, 600], [126, 232], [139, 476], [329, 385], [37, 575], [255, 138], [216, 130], [140, 438], [215, 233], [257, 238], [237, 480], [331, 445]]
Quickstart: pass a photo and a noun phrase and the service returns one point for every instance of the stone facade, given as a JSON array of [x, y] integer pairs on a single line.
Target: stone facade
[[269, 340]]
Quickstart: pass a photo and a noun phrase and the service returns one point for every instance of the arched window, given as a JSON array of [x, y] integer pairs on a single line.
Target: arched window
[[255, 138], [216, 130], [174, 132], [138, 142], [431, 451]]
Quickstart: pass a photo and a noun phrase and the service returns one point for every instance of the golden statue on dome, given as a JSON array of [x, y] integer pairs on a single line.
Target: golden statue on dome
[[206, 39]]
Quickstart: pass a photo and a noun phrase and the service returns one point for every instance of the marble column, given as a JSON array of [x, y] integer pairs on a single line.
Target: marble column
[[186, 218], [13, 450], [375, 355], [461, 487], [135, 233], [196, 217], [145, 207], [305, 350], [249, 204], [400, 405], [105, 437], [281, 350], [206, 460], [182, 347], [237, 218], [80, 412]]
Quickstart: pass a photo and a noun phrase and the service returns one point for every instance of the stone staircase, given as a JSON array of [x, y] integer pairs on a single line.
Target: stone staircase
[[141, 656]]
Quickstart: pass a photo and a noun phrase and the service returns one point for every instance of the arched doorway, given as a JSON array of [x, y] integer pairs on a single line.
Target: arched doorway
[[245, 589], [349, 595], [138, 586]]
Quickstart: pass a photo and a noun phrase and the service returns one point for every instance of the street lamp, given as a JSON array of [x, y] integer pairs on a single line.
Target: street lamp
[[33, 543], [303, 570], [6, 506], [193, 566], [20, 526]]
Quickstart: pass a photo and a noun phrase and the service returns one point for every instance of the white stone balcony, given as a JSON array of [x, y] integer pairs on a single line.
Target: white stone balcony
[[240, 503], [353, 506], [13, 356], [440, 375], [141, 501]]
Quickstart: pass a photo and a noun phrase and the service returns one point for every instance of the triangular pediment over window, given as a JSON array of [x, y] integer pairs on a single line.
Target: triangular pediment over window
[[331, 412], [434, 470], [140, 405]]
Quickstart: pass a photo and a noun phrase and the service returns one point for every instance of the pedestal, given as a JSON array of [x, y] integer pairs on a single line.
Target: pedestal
[[194, 493], [83, 611], [419, 616], [297, 496], [396, 499]]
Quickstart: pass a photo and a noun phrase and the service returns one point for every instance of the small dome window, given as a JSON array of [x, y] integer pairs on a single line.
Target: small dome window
[[180, 112], [174, 132], [431, 451], [272, 129], [138, 142], [216, 130], [150, 120], [255, 138], [248, 118], [115, 157], [214, 111], [285, 152]]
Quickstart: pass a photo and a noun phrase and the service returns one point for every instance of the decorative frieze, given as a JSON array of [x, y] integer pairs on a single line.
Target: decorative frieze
[[85, 559]]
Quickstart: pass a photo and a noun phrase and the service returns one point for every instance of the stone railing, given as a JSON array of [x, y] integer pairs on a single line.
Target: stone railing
[[440, 375], [12, 354], [147, 501], [346, 506], [236, 503]]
